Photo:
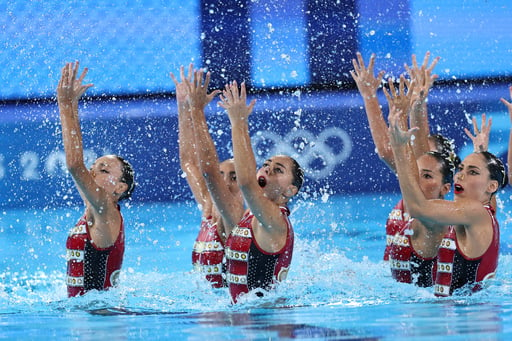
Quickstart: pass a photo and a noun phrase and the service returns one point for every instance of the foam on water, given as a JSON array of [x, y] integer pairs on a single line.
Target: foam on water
[[336, 271], [318, 278]]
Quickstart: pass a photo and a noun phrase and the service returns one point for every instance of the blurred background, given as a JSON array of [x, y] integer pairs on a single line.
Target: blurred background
[[294, 55]]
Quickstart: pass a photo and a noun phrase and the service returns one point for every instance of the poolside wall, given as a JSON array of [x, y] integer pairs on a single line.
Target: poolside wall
[[326, 131]]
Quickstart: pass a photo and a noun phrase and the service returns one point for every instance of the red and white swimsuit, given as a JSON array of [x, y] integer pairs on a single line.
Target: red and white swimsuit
[[396, 221], [407, 266], [454, 270], [248, 266], [208, 253], [89, 267]]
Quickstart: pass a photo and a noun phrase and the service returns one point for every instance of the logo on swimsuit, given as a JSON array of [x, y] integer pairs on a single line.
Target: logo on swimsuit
[[114, 277], [319, 155]]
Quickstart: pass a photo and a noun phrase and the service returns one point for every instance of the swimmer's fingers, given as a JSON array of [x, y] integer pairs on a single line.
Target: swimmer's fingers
[[243, 92], [74, 71], [408, 70], [434, 63], [83, 74], [251, 105], [227, 94], [469, 134], [68, 80], [226, 98], [198, 78], [508, 105], [223, 102], [475, 125], [63, 76], [360, 61], [190, 72], [243, 97], [371, 63], [392, 90], [387, 95], [82, 88], [425, 60], [234, 90], [486, 125], [175, 81], [401, 86], [380, 76], [414, 62]]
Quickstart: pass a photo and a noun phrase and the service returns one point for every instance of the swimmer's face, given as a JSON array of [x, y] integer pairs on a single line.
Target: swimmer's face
[[107, 173], [276, 177], [473, 179], [227, 169], [431, 177]]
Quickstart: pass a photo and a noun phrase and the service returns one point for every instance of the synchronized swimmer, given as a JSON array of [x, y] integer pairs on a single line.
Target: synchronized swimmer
[[245, 242]]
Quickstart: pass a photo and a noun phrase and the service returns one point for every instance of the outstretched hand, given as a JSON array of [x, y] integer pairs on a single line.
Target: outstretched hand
[[181, 87], [198, 90], [400, 100], [235, 102], [397, 136], [366, 82], [70, 89], [422, 76], [481, 137]]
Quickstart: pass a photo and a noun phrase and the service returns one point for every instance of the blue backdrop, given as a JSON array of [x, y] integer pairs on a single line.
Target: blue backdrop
[[327, 132], [295, 56], [132, 46]]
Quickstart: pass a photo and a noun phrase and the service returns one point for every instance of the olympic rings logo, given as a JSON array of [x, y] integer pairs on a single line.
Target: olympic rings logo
[[318, 155]]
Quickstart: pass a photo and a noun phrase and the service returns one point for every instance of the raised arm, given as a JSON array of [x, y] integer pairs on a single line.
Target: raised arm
[[234, 101], [69, 91], [423, 79], [509, 154], [368, 84], [265, 210], [481, 141], [435, 211], [229, 206], [199, 99], [189, 160]]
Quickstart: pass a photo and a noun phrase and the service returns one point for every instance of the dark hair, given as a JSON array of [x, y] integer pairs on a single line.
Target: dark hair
[[446, 147], [448, 166], [128, 178], [298, 174], [496, 169]]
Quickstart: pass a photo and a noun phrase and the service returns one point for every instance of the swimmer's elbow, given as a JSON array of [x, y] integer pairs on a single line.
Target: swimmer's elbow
[[386, 155]]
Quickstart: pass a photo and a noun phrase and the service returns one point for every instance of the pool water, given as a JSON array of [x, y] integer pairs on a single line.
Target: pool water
[[338, 287]]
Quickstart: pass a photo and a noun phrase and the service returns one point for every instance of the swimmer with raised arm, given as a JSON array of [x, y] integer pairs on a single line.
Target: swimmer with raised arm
[[423, 79], [259, 249], [469, 251], [95, 246], [213, 183], [413, 249]]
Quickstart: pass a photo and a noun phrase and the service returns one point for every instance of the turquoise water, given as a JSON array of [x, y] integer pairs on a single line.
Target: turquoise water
[[338, 287]]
